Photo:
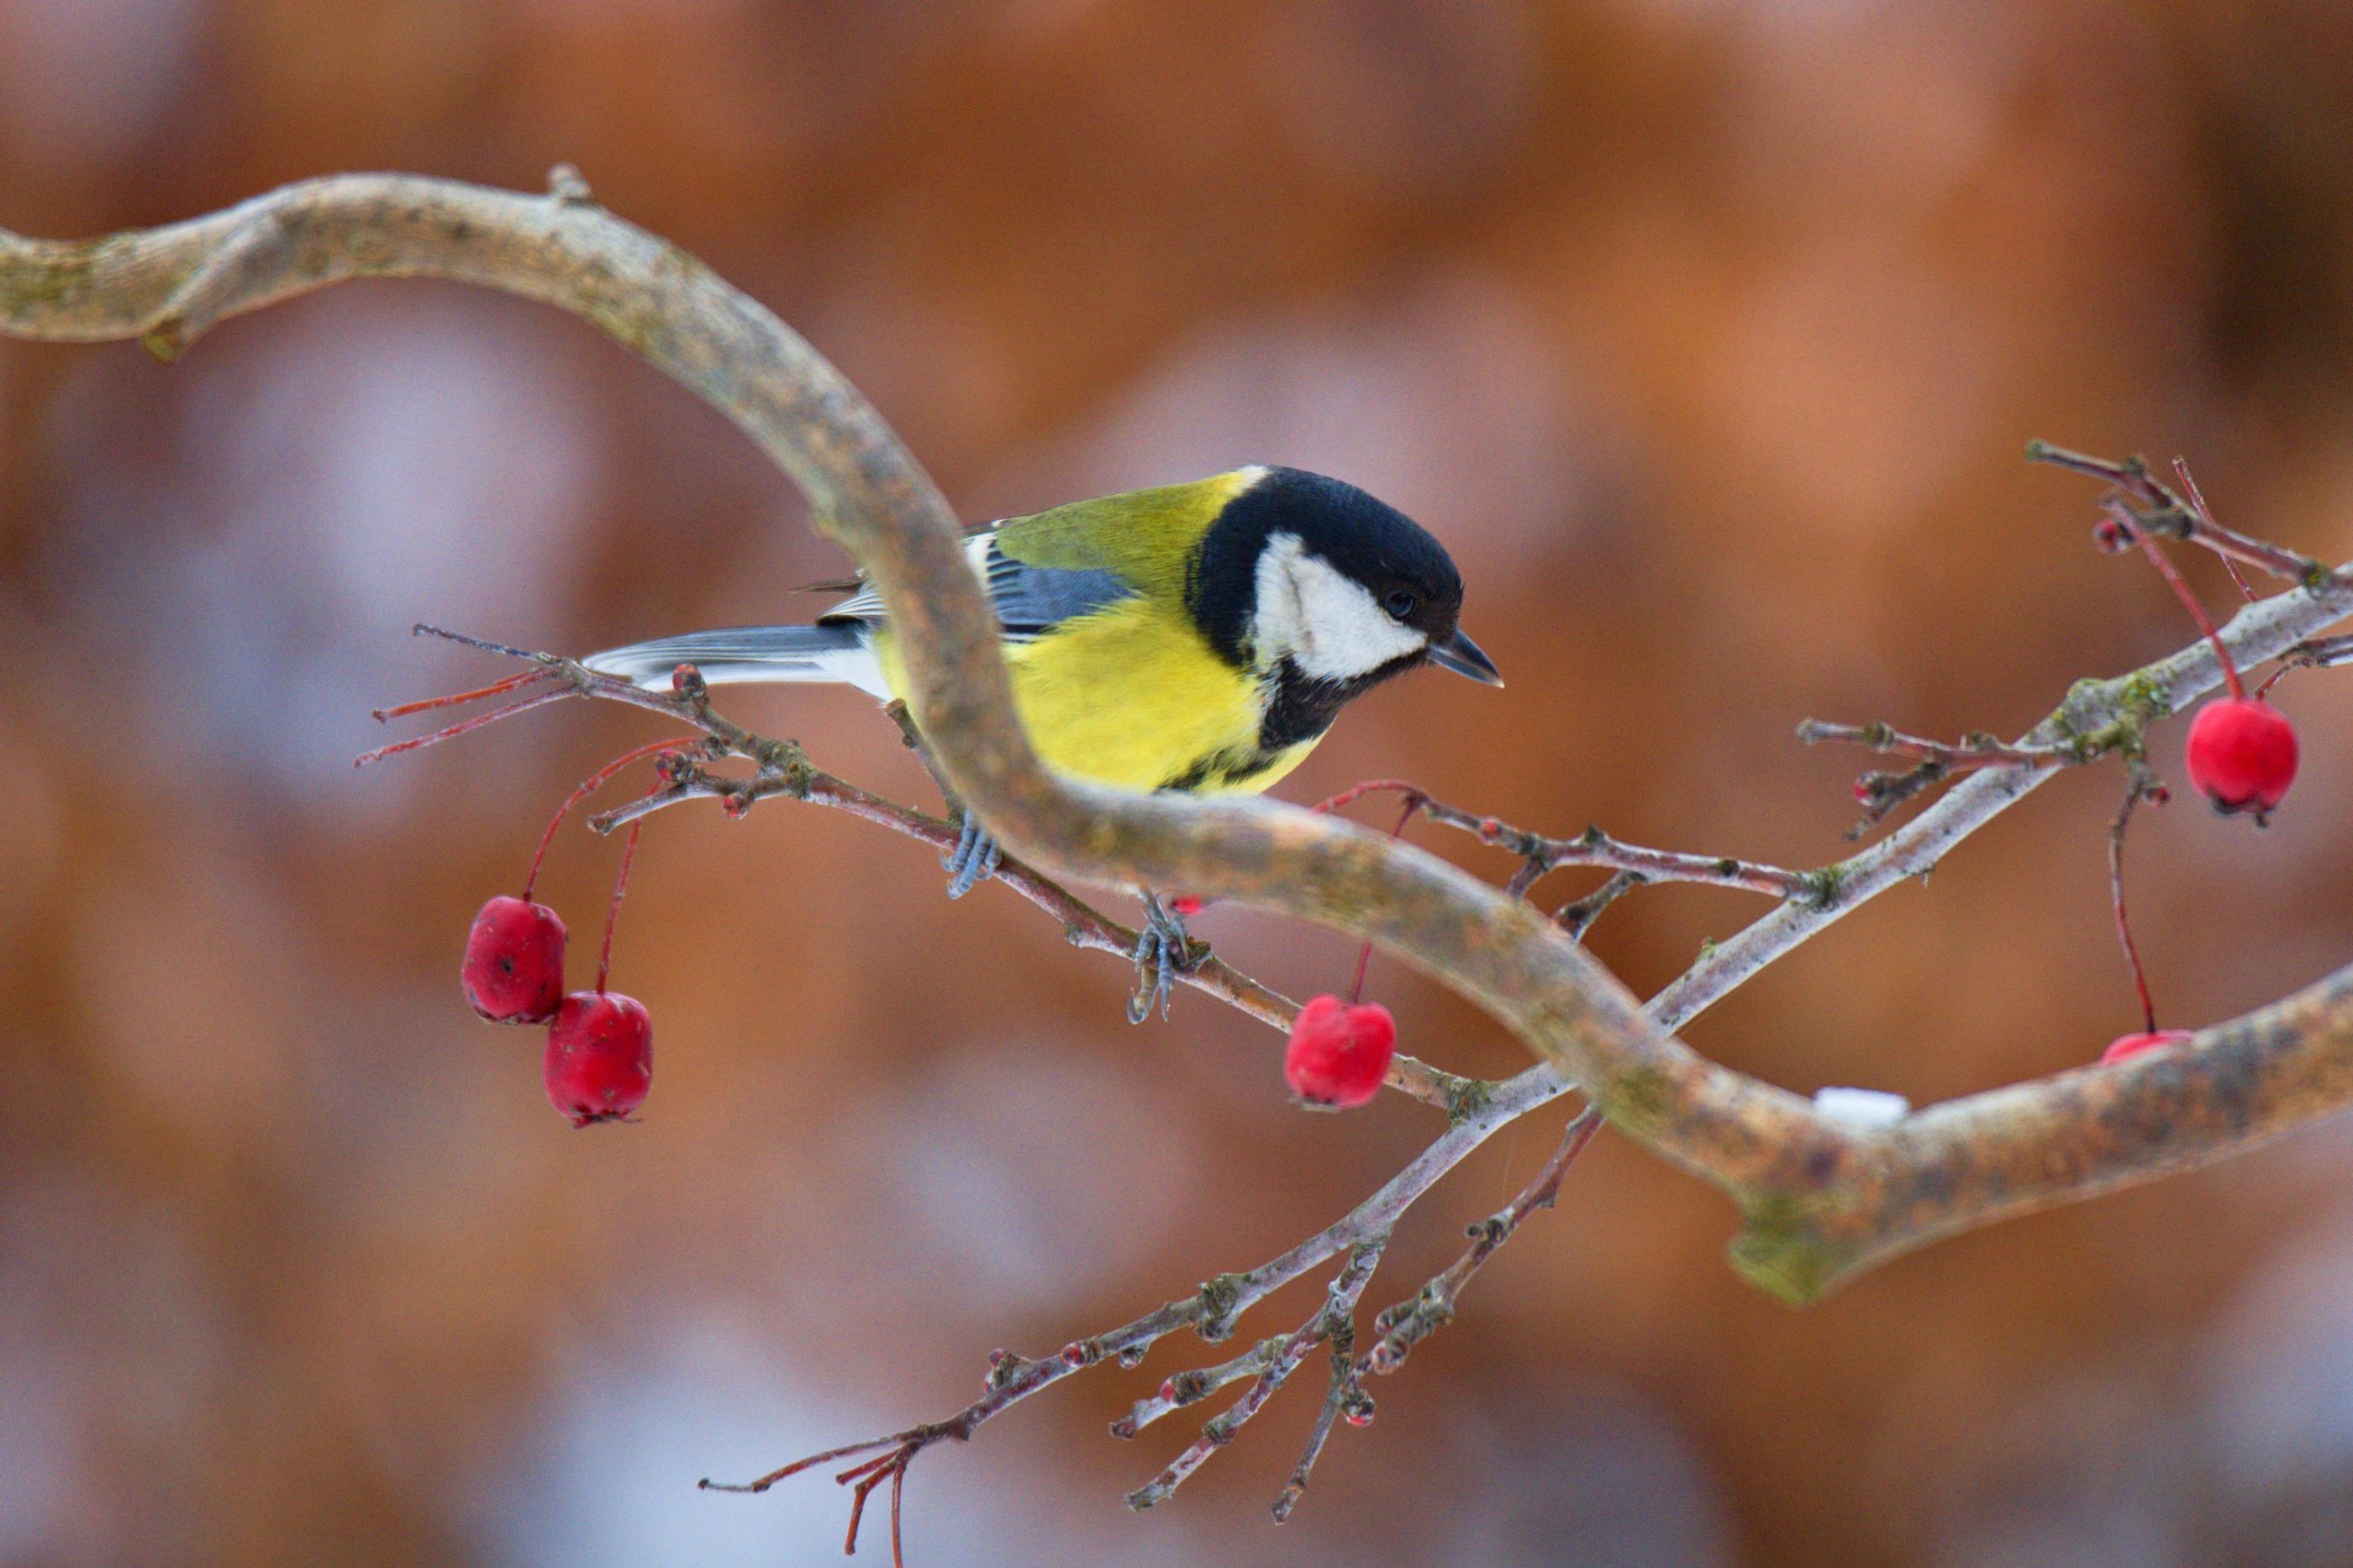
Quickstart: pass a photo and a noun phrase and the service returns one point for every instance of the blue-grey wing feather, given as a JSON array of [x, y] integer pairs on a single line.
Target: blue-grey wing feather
[[1029, 600], [1034, 599]]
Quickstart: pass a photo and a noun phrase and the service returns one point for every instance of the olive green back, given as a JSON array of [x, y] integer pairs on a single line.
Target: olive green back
[[1148, 537]]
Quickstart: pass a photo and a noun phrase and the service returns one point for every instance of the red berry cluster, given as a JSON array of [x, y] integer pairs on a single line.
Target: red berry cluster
[[598, 1064], [599, 1059], [601, 1044]]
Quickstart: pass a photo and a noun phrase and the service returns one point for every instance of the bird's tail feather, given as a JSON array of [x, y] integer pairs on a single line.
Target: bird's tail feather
[[737, 655]]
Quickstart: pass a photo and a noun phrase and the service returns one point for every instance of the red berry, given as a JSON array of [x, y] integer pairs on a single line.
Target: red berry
[[1186, 905], [2241, 754], [2132, 1045], [514, 972], [600, 1057], [1339, 1054]]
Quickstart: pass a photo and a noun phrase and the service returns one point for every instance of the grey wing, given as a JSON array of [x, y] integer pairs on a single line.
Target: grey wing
[[1029, 600]]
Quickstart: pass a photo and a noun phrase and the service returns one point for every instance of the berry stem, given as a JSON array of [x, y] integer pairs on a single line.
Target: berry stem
[[613, 912], [589, 786], [2140, 786], [1365, 953], [2173, 575]]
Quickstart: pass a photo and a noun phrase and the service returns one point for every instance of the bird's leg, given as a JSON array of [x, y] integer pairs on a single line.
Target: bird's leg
[[1164, 950], [973, 859]]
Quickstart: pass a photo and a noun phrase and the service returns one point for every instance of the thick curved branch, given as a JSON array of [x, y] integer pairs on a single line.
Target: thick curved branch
[[1819, 1200]]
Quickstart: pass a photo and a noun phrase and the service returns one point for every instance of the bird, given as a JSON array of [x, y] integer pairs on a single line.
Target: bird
[[1198, 637]]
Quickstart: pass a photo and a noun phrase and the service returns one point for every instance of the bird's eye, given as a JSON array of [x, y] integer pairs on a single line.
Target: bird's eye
[[1400, 604]]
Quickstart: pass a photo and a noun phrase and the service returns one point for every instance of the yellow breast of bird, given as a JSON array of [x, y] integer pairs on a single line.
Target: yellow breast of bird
[[1133, 697]]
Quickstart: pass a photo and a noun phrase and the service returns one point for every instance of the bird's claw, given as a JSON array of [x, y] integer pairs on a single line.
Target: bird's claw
[[1164, 950], [973, 859]]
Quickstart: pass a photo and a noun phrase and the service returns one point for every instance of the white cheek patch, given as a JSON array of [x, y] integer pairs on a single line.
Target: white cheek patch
[[1323, 620]]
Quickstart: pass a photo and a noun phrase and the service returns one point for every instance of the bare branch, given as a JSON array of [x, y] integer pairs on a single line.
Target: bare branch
[[1577, 916], [1594, 848], [2162, 511], [2321, 653], [1211, 1311], [1974, 751], [1191, 1388], [1879, 793], [1401, 1327], [1334, 1319]]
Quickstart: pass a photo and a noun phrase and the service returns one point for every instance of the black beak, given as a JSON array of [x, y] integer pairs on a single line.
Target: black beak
[[1460, 654]]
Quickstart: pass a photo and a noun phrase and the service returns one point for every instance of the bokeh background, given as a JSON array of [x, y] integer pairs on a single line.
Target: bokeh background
[[1706, 330]]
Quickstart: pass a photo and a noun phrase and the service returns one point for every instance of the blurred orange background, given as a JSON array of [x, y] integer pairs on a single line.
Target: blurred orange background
[[1707, 332]]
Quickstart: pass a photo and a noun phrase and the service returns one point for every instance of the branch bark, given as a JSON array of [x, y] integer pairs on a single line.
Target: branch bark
[[1819, 1202]]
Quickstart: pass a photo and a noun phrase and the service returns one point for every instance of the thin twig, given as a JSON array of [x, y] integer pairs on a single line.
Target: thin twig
[[1977, 750], [1909, 852], [2320, 653], [1405, 1324], [1192, 1387], [2170, 515], [1399, 1328], [1594, 848], [466, 726], [1578, 915], [458, 698], [1880, 793], [1334, 1319]]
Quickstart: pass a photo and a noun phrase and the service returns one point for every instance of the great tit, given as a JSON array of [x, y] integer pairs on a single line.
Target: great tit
[[1197, 636]]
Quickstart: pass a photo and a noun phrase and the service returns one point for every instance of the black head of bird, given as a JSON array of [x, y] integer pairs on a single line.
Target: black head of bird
[[1313, 574]]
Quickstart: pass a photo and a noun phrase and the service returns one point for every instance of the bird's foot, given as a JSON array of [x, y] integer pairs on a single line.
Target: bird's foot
[[1164, 950], [973, 859]]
